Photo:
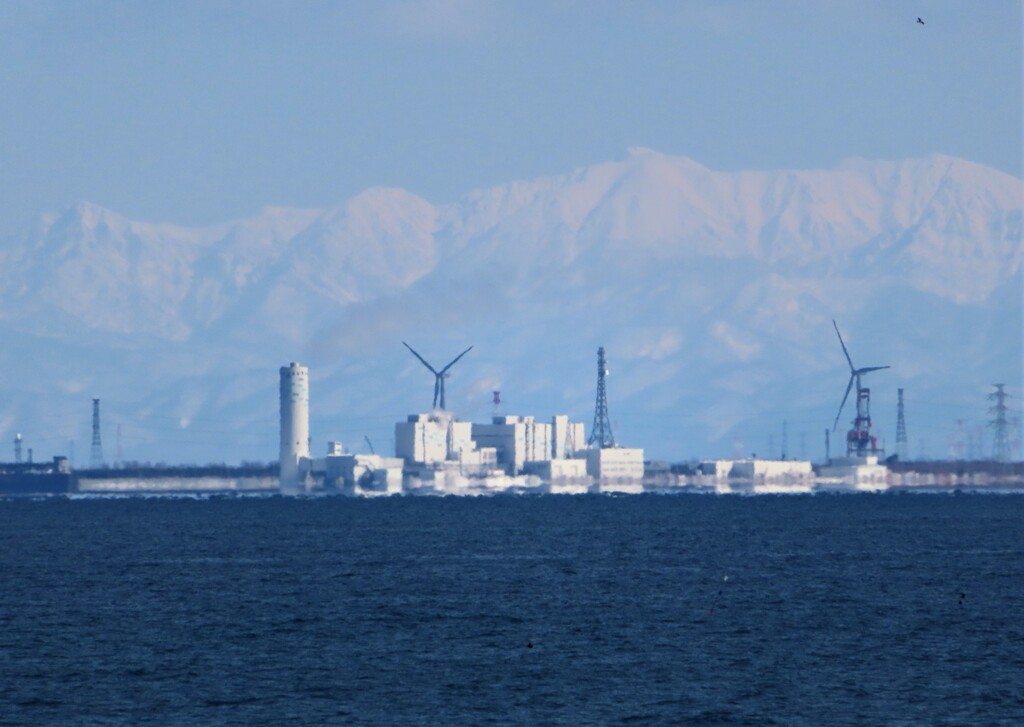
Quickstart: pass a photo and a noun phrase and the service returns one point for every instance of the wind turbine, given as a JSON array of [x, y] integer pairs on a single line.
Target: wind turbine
[[439, 376], [859, 438]]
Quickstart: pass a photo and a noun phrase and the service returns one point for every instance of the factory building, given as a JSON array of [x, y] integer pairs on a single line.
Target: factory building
[[434, 437], [758, 470], [359, 474], [558, 470], [856, 472], [614, 464], [512, 444], [522, 440], [294, 454], [772, 470], [758, 475], [439, 441]]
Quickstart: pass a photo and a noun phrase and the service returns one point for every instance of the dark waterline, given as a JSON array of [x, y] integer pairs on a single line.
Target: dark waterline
[[853, 609]]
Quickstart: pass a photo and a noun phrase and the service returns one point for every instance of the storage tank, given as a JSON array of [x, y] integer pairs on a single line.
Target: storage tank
[[294, 422]]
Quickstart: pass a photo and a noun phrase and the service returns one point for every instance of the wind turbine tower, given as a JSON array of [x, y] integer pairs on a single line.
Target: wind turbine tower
[[859, 441], [601, 435], [439, 376]]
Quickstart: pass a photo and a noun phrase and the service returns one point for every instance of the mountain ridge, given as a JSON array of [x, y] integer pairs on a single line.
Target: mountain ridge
[[699, 281]]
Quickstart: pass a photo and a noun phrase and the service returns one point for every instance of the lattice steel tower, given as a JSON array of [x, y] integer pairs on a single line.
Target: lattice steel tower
[[902, 450], [1000, 439], [96, 455], [602, 432]]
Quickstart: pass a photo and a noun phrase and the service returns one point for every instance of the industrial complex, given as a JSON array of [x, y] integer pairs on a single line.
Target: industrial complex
[[438, 453]]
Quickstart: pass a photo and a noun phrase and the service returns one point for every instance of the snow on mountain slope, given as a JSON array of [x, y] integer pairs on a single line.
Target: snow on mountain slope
[[376, 243], [713, 292], [91, 269]]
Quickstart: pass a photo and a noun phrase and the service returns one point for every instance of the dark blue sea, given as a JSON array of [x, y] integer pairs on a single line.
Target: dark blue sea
[[685, 609]]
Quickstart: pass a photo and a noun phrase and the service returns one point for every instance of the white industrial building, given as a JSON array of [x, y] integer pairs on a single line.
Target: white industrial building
[[854, 472], [436, 441], [516, 445], [772, 470], [614, 464], [522, 440], [359, 474], [339, 472], [759, 475], [512, 444], [434, 437], [758, 470], [558, 470]]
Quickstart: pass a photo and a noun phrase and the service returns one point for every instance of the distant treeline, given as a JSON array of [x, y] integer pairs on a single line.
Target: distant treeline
[[147, 470], [26, 467]]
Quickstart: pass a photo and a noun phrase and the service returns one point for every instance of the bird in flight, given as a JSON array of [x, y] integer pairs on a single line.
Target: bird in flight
[[920, 21]]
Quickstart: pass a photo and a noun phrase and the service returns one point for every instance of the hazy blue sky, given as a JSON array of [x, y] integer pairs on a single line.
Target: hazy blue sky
[[195, 112]]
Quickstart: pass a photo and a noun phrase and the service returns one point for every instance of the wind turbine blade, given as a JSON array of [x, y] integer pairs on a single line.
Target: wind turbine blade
[[437, 390], [871, 368], [454, 360], [847, 353], [845, 396], [422, 360]]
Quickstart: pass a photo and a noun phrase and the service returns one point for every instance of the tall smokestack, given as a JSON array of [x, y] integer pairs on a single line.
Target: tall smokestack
[[294, 424]]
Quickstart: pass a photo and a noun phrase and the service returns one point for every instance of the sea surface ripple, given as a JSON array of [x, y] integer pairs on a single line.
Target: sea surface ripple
[[806, 610]]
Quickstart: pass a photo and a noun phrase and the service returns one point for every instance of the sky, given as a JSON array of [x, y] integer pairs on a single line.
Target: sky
[[200, 112]]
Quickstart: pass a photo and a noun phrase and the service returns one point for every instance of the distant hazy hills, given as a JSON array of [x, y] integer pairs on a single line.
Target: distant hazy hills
[[713, 293]]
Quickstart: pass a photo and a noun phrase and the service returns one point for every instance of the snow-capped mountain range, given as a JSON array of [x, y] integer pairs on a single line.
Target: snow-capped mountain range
[[712, 292]]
